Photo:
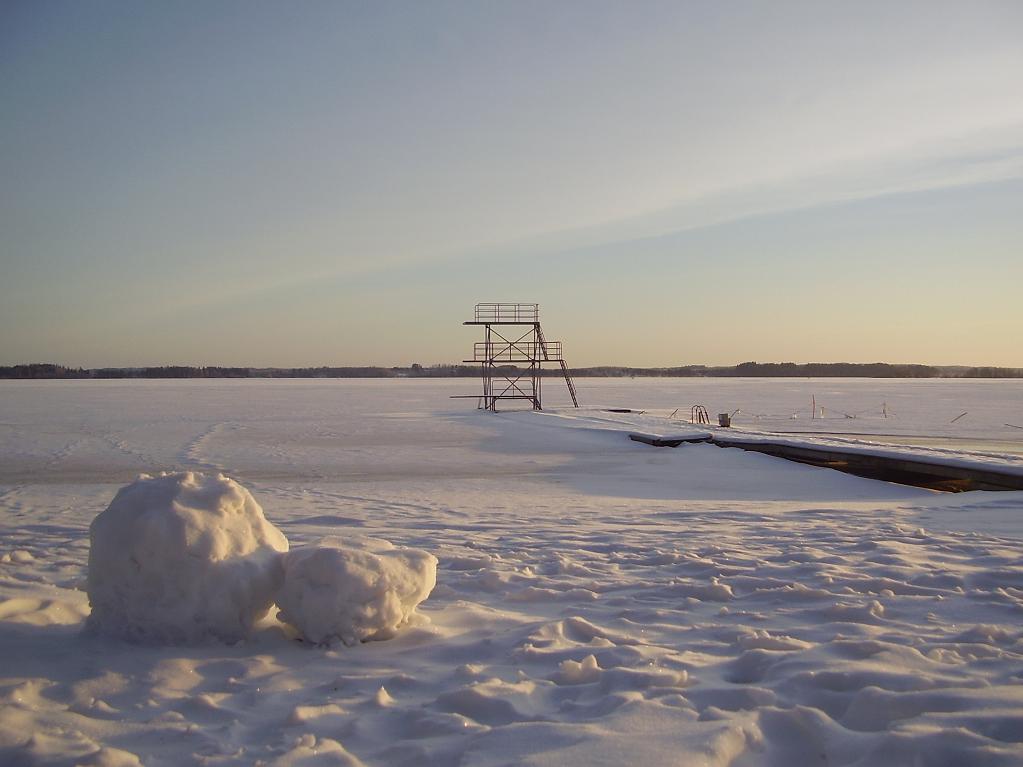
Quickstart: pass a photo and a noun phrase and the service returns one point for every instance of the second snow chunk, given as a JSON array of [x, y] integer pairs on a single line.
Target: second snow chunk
[[353, 591]]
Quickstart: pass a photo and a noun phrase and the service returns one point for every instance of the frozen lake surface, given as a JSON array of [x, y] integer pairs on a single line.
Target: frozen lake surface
[[598, 601]]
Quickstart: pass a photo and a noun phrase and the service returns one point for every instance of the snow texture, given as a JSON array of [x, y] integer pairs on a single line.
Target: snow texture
[[598, 601], [364, 590], [182, 558]]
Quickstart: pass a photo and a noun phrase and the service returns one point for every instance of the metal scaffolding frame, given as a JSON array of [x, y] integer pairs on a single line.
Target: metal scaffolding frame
[[512, 336]]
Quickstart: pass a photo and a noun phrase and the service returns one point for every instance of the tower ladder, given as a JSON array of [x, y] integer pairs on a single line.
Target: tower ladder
[[564, 366]]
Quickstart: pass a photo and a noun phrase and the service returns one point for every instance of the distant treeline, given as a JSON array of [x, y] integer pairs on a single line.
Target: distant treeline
[[777, 370], [745, 370]]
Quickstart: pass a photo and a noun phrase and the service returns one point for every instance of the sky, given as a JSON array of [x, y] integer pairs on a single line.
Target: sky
[[333, 183]]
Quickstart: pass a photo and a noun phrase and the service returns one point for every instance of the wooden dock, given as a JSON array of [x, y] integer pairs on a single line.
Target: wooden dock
[[901, 469]]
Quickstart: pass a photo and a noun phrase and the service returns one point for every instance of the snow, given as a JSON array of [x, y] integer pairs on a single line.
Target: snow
[[598, 601], [181, 558], [363, 590]]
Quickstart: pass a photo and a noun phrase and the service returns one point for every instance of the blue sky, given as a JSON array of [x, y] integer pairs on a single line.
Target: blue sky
[[338, 183]]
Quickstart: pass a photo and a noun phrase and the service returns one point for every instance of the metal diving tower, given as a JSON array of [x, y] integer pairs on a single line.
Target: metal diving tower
[[512, 354]]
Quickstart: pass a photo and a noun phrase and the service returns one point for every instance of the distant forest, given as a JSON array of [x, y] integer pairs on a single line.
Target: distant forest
[[743, 370]]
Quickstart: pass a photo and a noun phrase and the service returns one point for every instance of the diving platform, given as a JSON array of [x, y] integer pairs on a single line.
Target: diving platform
[[512, 354]]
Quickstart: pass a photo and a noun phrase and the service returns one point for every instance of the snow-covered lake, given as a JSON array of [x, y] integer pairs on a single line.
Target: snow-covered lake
[[598, 601]]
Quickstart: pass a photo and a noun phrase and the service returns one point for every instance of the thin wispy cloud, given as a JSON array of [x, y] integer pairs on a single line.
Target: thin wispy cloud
[[210, 161]]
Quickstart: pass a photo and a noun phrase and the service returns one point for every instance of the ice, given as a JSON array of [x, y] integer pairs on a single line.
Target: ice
[[360, 591], [180, 558]]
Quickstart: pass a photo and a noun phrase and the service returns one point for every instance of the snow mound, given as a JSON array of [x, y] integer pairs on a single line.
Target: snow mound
[[182, 558], [353, 591], [578, 672]]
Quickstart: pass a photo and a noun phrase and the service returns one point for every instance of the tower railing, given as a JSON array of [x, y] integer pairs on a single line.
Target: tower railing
[[507, 313], [516, 351]]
